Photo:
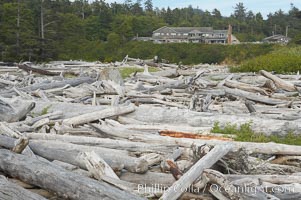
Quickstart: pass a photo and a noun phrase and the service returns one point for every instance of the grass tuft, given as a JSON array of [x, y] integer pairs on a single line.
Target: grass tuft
[[244, 133]]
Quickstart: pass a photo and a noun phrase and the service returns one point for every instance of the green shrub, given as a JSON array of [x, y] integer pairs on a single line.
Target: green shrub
[[283, 60], [244, 133]]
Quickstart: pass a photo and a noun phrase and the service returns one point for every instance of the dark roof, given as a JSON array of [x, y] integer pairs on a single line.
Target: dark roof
[[188, 29]]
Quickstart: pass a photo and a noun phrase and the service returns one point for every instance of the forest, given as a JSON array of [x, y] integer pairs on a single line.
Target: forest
[[44, 30]]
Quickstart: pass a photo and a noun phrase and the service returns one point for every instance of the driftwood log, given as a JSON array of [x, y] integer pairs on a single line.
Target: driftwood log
[[64, 183], [10, 190], [196, 171]]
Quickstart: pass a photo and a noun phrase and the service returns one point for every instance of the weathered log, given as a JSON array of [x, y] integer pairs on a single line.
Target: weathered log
[[52, 116], [97, 166], [250, 106], [148, 179], [14, 110], [58, 180], [251, 147], [50, 85], [253, 97], [104, 142], [10, 190], [252, 189], [245, 87], [97, 115], [166, 73], [195, 171], [275, 179], [281, 84], [152, 114], [27, 68], [69, 153]]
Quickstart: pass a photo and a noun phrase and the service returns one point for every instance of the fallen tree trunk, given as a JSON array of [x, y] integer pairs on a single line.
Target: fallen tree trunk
[[50, 85], [148, 179], [253, 97], [196, 171], [244, 86], [69, 153], [64, 183], [27, 68], [93, 116], [251, 147], [281, 84], [103, 142], [12, 110], [275, 179], [10, 190], [152, 114]]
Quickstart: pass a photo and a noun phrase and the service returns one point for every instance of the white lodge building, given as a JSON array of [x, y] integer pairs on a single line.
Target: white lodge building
[[205, 35]]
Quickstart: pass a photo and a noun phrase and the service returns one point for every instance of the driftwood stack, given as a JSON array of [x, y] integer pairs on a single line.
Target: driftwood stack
[[77, 130]]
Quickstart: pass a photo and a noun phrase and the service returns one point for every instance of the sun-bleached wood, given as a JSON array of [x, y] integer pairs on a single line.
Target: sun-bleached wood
[[196, 171], [64, 183]]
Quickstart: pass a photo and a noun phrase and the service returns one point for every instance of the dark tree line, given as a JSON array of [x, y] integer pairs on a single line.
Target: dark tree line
[[41, 30]]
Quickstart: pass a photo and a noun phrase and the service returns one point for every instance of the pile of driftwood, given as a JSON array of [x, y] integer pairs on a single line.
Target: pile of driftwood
[[77, 130]]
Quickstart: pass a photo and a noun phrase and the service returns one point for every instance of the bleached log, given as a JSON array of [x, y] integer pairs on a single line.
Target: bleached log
[[148, 127], [40, 123], [6, 130], [120, 132], [58, 180], [50, 85], [72, 168], [222, 83], [97, 115], [149, 178], [218, 178], [245, 87], [97, 166], [104, 142], [252, 190], [250, 106], [66, 152], [156, 101], [159, 115], [278, 81], [10, 190], [69, 153], [51, 116], [253, 97], [196, 171], [12, 110], [152, 158], [6, 82], [166, 73], [251, 147], [275, 179]]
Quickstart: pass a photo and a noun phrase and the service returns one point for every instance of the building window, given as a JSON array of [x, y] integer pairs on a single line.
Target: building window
[[162, 33], [156, 34], [185, 34], [173, 34]]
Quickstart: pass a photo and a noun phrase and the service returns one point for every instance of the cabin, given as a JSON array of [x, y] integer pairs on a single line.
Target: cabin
[[205, 35]]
